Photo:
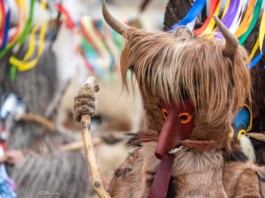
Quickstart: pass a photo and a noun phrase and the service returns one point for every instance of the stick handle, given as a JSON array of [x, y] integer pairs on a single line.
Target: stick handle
[[91, 159]]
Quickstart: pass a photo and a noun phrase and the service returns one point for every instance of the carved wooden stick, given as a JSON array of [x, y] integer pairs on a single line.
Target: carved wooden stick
[[91, 159], [89, 149], [79, 145]]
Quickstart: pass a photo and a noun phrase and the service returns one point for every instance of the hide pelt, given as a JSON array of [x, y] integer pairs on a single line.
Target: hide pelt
[[195, 173], [209, 73]]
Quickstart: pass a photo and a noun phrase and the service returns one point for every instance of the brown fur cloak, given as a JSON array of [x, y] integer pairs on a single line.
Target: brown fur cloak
[[172, 67]]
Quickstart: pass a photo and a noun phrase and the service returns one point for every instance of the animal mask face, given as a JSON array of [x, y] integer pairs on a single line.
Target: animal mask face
[[209, 72], [178, 125]]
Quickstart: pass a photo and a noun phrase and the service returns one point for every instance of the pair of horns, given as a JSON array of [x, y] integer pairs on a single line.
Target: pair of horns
[[231, 43]]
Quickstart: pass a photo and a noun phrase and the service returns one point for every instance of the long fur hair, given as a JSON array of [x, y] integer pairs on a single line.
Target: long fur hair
[[173, 68]]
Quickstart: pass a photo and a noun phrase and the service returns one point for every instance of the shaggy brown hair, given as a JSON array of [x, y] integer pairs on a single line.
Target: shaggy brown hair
[[172, 68]]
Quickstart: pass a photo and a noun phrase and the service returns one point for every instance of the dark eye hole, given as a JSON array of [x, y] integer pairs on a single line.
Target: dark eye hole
[[165, 113], [185, 117]]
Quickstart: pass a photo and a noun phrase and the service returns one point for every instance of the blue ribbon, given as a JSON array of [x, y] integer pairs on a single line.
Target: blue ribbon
[[256, 59], [194, 11], [5, 39]]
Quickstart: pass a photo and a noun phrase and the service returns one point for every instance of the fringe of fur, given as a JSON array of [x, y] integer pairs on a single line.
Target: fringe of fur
[[173, 68]]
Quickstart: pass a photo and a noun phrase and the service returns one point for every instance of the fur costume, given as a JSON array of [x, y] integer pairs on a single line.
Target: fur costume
[[175, 11], [171, 68], [45, 171], [174, 67]]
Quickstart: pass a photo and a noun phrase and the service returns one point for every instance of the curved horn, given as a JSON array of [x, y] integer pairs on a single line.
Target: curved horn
[[231, 41], [115, 24]]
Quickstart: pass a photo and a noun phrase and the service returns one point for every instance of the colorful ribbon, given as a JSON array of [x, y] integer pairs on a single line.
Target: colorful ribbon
[[262, 31], [211, 24], [24, 32], [24, 66], [69, 20], [194, 11], [213, 5], [245, 23], [243, 38]]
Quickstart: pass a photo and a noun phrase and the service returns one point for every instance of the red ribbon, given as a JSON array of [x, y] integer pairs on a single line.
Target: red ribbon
[[3, 12], [69, 20], [213, 6]]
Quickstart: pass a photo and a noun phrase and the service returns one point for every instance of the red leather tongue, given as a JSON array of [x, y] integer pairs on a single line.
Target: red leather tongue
[[161, 181], [170, 135]]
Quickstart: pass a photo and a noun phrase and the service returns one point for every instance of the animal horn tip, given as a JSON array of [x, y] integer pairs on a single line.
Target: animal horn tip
[[216, 19], [231, 41]]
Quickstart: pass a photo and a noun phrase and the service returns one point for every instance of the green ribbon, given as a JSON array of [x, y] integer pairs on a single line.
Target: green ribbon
[[24, 34], [243, 38], [13, 72]]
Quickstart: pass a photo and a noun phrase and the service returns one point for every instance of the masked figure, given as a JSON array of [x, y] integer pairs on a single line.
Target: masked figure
[[192, 88]]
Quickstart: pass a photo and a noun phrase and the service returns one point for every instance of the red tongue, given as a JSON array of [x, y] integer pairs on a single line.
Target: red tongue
[[170, 135], [161, 181]]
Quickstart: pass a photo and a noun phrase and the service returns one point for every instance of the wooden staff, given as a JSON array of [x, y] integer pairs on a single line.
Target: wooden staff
[[89, 149]]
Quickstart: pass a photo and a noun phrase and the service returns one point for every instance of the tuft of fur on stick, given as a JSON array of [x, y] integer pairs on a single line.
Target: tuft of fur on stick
[[84, 116]]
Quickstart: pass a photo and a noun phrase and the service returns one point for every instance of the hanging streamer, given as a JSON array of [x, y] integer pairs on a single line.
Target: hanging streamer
[[92, 36], [230, 16], [243, 38], [262, 31], [213, 5], [6, 29], [31, 43], [256, 59], [22, 36], [256, 46], [24, 66], [238, 17], [246, 20], [3, 20], [211, 24], [69, 21], [194, 11], [223, 14]]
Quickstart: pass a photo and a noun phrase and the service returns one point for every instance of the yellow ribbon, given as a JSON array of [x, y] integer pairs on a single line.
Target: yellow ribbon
[[244, 25], [226, 8], [224, 12], [32, 44], [262, 31], [24, 66], [211, 24], [256, 46]]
